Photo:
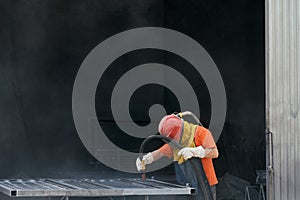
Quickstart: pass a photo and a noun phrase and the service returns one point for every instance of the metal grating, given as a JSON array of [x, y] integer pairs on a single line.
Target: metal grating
[[90, 187]]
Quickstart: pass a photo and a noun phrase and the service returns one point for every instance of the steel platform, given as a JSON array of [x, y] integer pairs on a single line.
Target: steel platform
[[90, 187]]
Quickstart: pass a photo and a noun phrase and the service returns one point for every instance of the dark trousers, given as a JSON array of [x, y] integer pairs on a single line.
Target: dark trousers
[[186, 173]]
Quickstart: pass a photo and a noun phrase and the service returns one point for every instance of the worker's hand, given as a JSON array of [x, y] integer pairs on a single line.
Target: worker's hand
[[147, 159], [188, 152]]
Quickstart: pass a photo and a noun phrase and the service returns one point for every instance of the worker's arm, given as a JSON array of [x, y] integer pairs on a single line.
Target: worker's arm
[[211, 153], [206, 146], [157, 155], [165, 150], [199, 151], [148, 159]]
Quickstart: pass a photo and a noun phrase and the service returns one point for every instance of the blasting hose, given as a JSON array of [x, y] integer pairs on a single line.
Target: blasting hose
[[203, 190]]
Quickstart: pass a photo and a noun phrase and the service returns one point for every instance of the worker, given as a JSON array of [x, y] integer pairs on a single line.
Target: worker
[[197, 142]]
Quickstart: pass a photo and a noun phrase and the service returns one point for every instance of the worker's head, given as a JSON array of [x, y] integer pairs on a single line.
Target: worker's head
[[170, 126]]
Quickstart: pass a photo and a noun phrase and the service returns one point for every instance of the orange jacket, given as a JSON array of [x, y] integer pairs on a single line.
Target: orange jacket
[[203, 137]]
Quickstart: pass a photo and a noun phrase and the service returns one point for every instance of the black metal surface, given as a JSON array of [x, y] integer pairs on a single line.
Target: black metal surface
[[43, 43]]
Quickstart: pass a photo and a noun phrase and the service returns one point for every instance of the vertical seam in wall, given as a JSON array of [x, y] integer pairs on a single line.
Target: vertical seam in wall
[[297, 65]]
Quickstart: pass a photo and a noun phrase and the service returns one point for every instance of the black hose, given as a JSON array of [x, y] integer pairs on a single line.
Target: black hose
[[201, 177], [195, 163]]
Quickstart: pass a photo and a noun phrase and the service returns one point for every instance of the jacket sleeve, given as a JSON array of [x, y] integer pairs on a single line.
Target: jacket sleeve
[[166, 150]]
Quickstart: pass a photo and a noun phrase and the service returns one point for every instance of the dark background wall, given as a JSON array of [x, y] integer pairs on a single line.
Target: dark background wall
[[43, 43]]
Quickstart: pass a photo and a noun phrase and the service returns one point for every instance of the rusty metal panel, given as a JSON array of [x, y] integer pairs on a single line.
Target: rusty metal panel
[[283, 97]]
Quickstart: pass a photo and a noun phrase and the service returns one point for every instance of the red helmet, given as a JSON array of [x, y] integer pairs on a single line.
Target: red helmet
[[170, 126]]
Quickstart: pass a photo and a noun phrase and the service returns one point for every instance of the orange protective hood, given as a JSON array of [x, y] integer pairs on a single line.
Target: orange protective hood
[[170, 126]]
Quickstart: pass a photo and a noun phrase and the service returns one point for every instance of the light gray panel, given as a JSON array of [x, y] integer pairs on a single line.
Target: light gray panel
[[283, 95]]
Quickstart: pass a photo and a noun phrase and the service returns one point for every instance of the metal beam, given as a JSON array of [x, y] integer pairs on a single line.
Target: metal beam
[[90, 187]]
